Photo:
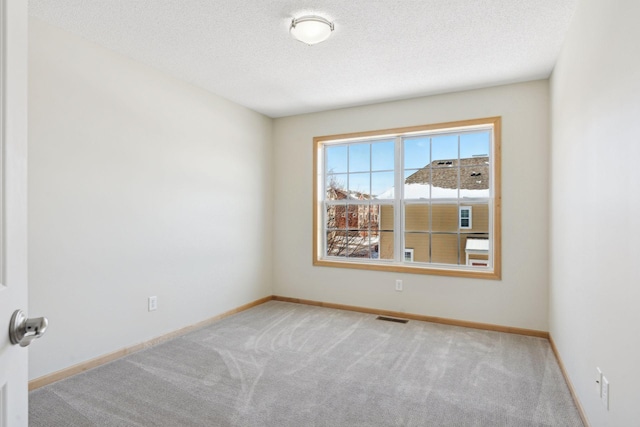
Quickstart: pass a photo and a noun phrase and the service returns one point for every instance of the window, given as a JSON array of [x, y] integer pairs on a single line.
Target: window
[[420, 200], [465, 217], [408, 254]]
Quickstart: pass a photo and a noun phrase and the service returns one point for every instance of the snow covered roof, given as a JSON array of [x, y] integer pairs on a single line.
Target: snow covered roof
[[477, 245], [439, 179]]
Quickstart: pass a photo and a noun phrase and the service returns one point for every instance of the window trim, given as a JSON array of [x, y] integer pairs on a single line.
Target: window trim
[[456, 271]]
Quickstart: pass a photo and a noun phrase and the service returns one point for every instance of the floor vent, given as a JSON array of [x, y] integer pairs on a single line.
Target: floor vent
[[391, 319]]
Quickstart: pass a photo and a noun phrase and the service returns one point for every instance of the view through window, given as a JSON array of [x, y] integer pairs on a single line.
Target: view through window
[[422, 199]]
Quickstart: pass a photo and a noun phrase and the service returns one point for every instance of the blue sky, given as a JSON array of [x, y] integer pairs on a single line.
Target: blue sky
[[369, 166]]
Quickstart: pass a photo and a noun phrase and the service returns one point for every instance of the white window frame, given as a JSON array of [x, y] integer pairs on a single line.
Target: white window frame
[[398, 264]]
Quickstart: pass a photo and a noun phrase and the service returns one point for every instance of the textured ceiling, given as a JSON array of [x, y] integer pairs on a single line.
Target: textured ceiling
[[380, 50]]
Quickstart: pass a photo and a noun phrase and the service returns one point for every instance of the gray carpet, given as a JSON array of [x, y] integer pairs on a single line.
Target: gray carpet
[[282, 364]]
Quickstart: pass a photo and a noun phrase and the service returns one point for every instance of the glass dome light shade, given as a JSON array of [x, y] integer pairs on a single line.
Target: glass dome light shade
[[311, 29]]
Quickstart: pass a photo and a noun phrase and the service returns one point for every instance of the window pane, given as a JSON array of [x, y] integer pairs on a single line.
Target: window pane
[[360, 185], [352, 217], [359, 158], [416, 152], [371, 218], [386, 245], [332, 216], [419, 243], [474, 180], [382, 185], [337, 216], [336, 159], [386, 233], [416, 217], [361, 245], [374, 230], [444, 248], [444, 151], [356, 244], [383, 156], [417, 184], [444, 217], [445, 183], [474, 145], [386, 217], [336, 187], [337, 243]]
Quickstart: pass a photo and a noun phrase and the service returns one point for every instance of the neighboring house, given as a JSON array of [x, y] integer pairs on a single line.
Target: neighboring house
[[437, 229], [354, 226]]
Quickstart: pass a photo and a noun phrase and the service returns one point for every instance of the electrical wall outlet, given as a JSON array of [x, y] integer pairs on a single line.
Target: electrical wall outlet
[[599, 382], [605, 392], [153, 303], [399, 285]]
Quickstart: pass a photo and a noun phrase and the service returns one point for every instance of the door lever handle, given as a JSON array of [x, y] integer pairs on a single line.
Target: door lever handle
[[22, 330]]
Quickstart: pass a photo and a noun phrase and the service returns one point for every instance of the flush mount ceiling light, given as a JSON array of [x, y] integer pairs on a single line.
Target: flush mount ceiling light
[[311, 29]]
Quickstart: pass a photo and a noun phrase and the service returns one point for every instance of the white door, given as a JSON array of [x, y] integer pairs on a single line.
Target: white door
[[13, 207]]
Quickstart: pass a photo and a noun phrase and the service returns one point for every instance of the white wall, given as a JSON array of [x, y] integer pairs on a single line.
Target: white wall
[[139, 185], [595, 251], [520, 299]]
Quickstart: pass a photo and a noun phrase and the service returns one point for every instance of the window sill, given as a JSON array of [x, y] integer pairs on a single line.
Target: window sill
[[457, 271]]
